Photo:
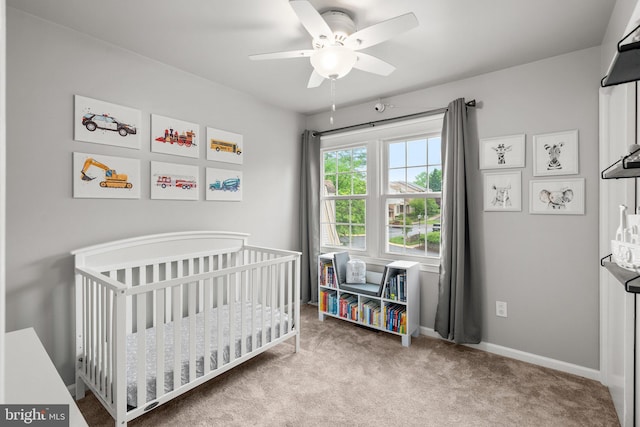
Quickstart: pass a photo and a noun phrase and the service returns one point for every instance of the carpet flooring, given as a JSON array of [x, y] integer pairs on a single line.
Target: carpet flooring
[[350, 375]]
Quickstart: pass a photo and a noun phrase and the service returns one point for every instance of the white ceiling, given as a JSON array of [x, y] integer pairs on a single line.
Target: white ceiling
[[213, 39]]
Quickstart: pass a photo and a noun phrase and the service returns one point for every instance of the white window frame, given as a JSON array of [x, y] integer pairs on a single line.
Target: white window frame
[[375, 139]]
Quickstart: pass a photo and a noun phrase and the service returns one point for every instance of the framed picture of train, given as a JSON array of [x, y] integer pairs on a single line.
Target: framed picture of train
[[106, 123], [105, 177], [224, 146], [172, 181], [224, 184], [173, 136]]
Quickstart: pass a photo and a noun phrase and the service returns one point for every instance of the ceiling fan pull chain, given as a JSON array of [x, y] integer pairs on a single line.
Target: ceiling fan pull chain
[[333, 99]]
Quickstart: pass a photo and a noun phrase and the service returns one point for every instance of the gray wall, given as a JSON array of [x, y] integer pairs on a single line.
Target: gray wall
[[47, 65], [544, 266]]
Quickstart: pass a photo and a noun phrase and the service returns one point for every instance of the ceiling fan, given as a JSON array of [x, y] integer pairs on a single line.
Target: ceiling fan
[[337, 42]]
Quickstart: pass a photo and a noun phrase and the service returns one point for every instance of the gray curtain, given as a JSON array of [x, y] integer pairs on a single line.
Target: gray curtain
[[458, 312], [310, 215]]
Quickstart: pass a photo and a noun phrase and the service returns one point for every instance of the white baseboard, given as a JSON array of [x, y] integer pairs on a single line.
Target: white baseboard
[[523, 356]]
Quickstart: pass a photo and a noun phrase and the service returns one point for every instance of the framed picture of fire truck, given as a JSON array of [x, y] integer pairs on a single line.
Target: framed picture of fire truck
[[105, 177], [224, 146], [173, 136], [102, 122], [172, 181], [224, 184]]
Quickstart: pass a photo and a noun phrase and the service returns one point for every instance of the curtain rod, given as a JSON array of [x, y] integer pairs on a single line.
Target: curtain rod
[[471, 103]]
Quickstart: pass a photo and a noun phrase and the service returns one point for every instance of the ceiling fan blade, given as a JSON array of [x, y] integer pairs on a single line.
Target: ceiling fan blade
[[283, 55], [311, 19], [382, 31], [371, 64], [315, 80]]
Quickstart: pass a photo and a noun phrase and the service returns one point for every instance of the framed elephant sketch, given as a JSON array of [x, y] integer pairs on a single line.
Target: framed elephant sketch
[[557, 197], [503, 191], [555, 153]]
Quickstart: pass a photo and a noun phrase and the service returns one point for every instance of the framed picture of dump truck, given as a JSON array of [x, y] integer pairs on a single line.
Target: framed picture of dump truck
[[224, 146], [173, 136], [172, 181], [224, 184], [105, 177]]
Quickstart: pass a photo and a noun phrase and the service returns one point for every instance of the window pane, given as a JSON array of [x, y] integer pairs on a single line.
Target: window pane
[[344, 185], [435, 178], [330, 185], [413, 226], [344, 161], [396, 155], [359, 183], [418, 178], [397, 180], [330, 162], [360, 159], [417, 153], [434, 155]]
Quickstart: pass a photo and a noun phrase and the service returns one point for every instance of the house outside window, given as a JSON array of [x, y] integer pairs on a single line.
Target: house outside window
[[381, 192]]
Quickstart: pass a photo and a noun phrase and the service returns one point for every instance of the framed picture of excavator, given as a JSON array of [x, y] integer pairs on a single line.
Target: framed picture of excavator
[[105, 177], [102, 122], [173, 136]]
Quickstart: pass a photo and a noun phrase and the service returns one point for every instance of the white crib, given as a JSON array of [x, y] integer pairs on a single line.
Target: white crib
[[159, 315]]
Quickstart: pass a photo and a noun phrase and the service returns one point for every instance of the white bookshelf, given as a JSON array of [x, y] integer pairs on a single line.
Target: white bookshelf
[[400, 295]]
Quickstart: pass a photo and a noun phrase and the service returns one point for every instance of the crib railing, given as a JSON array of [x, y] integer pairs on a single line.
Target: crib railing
[[130, 298]]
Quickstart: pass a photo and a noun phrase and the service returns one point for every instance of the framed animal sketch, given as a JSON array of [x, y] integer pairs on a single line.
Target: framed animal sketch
[[557, 197], [555, 153], [502, 152], [503, 191]]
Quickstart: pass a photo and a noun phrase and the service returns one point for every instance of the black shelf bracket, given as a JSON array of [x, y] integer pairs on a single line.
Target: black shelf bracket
[[624, 276], [625, 67]]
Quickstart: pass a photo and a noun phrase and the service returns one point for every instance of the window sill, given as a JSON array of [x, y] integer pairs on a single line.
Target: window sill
[[430, 265]]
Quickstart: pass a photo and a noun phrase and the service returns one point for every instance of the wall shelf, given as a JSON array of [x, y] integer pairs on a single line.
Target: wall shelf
[[626, 64], [627, 167], [629, 279]]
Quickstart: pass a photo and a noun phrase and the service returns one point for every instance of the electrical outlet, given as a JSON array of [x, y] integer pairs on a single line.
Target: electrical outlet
[[501, 309]]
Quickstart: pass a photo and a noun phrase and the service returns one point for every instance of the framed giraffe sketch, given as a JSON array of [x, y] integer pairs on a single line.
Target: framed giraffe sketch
[[555, 153], [502, 152]]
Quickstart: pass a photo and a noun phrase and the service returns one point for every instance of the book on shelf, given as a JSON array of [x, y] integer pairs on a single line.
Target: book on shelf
[[370, 313], [396, 287], [349, 306], [328, 302], [327, 274], [395, 318]]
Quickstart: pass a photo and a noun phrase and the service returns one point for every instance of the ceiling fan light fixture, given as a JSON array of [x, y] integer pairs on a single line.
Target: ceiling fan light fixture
[[333, 62]]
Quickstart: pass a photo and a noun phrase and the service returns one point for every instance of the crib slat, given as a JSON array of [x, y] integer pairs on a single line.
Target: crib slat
[[192, 289], [264, 272], [177, 334], [274, 301], [254, 307], [109, 346], [289, 296], [232, 317], [168, 275], [103, 339], [281, 284], [141, 328], [219, 337], [206, 361], [160, 327], [243, 309]]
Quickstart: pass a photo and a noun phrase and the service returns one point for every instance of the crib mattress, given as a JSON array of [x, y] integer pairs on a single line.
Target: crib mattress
[[212, 354]]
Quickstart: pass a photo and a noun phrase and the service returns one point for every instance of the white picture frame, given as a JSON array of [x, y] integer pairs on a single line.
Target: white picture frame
[[557, 196], [173, 136], [556, 153], [105, 177], [174, 181], [105, 123], [224, 184], [502, 191], [224, 146], [502, 152]]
